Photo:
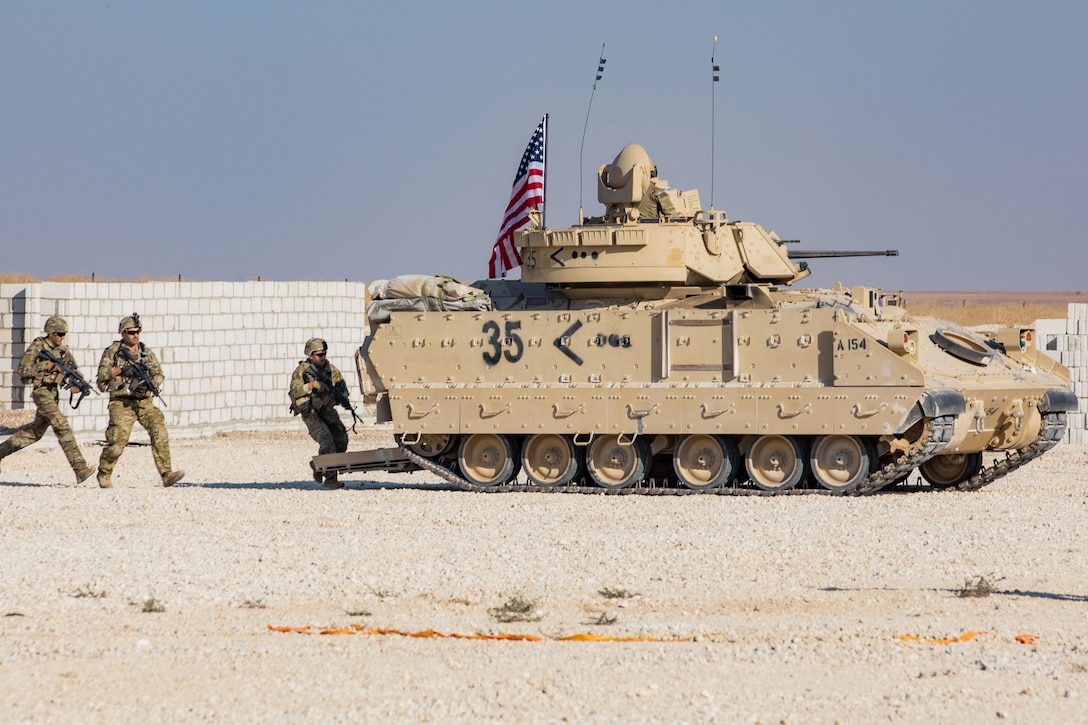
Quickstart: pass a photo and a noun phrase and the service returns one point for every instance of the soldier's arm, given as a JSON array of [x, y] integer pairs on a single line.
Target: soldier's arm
[[105, 370], [26, 365], [70, 359], [338, 379], [298, 384], [154, 368]]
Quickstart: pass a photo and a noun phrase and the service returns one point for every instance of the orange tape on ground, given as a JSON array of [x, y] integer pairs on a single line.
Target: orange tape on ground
[[965, 637], [585, 636], [432, 634]]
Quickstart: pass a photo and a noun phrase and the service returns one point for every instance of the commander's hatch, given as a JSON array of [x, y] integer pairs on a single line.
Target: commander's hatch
[[763, 255]]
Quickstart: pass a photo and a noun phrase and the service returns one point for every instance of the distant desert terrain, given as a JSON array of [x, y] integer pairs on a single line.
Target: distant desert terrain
[[980, 308]]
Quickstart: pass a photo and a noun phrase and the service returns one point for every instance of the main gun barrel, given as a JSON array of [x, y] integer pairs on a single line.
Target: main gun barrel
[[818, 254]]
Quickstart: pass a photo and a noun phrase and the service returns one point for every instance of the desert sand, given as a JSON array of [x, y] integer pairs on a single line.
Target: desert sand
[[145, 604]]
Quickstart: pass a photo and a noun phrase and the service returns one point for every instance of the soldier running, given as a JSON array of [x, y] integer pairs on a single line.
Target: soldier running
[[311, 400], [131, 373], [46, 377]]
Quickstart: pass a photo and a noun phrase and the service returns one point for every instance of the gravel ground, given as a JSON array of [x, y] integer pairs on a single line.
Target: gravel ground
[[765, 609]]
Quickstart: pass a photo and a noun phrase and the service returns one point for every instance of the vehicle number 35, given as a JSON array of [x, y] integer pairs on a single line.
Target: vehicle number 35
[[507, 346]]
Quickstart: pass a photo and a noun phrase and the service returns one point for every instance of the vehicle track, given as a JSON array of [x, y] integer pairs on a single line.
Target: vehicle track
[[938, 433]]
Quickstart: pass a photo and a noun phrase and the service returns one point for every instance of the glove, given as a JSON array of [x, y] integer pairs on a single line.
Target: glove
[[128, 370]]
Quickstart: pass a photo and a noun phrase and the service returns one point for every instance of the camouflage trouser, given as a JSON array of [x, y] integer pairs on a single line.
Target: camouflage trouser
[[124, 412], [49, 415], [327, 429]]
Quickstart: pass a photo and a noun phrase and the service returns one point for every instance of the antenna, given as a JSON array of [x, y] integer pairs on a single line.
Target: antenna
[[600, 72], [713, 83]]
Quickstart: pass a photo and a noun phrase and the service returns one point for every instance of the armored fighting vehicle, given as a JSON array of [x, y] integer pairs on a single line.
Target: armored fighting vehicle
[[659, 348]]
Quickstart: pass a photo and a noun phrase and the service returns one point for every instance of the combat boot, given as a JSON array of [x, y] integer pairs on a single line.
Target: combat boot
[[317, 474], [171, 477], [84, 473], [332, 481], [104, 480]]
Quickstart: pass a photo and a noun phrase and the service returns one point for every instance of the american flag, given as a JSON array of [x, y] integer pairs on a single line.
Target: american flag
[[528, 193]]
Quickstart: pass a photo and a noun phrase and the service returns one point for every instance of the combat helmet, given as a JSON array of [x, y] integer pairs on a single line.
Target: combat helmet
[[130, 321], [56, 324]]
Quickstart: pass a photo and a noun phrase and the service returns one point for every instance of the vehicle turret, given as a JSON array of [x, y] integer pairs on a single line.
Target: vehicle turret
[[652, 235]]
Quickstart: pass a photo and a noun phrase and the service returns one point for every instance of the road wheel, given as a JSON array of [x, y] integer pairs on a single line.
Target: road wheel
[[550, 459], [486, 459], [433, 445], [840, 462], [705, 461], [776, 463], [949, 470], [615, 465]]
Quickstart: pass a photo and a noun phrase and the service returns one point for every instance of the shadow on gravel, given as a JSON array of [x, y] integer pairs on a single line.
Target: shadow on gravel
[[996, 592], [311, 486], [1044, 595]]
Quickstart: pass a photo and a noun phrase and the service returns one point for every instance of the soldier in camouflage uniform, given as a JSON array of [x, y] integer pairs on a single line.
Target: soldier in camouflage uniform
[[132, 401], [313, 402], [656, 203], [46, 377]]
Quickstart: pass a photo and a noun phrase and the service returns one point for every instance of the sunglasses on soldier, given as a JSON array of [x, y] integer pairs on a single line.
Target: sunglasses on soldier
[[132, 332]]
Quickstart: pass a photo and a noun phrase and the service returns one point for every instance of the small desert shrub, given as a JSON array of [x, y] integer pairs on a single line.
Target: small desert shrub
[[517, 609], [88, 592], [976, 587], [614, 593], [153, 606], [381, 593]]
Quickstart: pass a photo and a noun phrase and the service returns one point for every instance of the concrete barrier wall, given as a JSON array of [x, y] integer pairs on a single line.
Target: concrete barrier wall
[[1067, 341], [227, 348]]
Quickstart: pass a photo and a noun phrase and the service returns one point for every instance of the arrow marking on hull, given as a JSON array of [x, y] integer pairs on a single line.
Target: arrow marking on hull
[[564, 347], [556, 259]]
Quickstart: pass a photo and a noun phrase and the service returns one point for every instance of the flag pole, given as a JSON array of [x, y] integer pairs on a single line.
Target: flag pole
[[544, 201]]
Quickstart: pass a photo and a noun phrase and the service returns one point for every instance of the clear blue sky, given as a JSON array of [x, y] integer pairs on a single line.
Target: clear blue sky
[[331, 140]]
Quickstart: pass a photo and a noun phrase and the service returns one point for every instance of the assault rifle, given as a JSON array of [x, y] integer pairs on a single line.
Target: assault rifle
[[339, 395], [72, 379], [133, 368]]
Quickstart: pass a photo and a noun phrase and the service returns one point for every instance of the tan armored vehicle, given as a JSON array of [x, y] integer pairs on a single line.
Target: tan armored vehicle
[[656, 349]]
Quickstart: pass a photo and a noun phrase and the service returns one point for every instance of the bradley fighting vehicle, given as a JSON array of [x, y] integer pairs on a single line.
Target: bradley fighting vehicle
[[656, 349]]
